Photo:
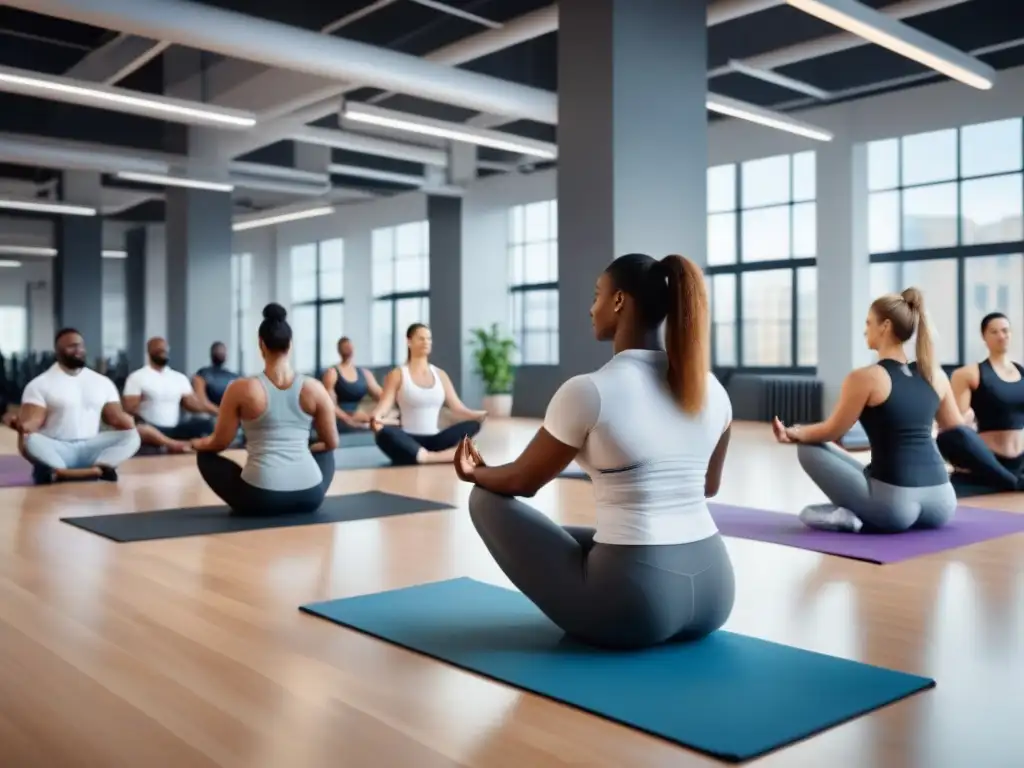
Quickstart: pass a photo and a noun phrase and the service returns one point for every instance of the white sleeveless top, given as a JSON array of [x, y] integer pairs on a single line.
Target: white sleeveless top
[[420, 408], [647, 458]]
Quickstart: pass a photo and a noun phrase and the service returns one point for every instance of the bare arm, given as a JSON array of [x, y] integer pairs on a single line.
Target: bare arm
[[713, 479], [392, 383], [950, 413], [114, 416], [192, 403], [539, 463], [205, 404], [963, 383], [330, 379], [30, 418], [228, 419], [131, 403], [316, 401], [455, 404], [372, 387], [852, 399]]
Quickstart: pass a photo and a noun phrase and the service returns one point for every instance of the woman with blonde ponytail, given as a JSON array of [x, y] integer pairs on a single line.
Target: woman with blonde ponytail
[[906, 485], [651, 429]]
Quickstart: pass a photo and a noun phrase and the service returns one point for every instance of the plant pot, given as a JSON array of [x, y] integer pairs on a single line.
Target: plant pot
[[498, 406]]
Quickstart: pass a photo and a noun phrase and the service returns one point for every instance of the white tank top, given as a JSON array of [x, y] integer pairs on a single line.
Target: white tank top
[[419, 407]]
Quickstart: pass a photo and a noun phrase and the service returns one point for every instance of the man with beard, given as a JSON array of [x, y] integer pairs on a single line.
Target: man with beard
[[60, 416], [155, 394], [211, 381]]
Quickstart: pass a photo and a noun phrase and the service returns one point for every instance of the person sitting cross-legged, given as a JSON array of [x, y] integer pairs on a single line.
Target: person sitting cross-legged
[[60, 417]]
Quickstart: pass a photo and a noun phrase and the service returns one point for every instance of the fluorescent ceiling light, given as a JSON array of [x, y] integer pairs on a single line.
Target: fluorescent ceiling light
[[6, 263], [27, 250], [770, 76], [42, 206], [900, 38], [67, 89], [115, 254], [371, 115], [724, 105], [175, 181], [281, 218], [361, 172]]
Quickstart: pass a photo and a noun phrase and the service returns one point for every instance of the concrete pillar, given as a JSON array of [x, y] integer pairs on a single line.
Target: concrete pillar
[[135, 296], [444, 215]]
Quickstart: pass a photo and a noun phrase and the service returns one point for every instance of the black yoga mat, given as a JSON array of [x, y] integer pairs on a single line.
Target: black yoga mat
[[363, 457], [206, 521]]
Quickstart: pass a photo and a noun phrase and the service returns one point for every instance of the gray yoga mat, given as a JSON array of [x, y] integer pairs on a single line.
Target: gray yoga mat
[[207, 521]]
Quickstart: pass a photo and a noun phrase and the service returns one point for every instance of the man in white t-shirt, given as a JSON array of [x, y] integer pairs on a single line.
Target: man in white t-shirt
[[156, 394], [60, 417]]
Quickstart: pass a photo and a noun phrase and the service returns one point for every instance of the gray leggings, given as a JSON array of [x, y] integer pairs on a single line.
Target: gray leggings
[[881, 507], [607, 595]]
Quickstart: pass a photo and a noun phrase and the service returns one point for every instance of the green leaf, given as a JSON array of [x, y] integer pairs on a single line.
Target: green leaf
[[493, 353]]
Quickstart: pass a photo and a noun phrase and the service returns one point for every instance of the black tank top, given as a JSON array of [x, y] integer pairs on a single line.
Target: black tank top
[[217, 378], [903, 451], [998, 404], [350, 393]]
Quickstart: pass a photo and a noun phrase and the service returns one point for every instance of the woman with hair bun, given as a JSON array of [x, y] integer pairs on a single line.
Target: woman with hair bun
[[284, 474], [906, 485]]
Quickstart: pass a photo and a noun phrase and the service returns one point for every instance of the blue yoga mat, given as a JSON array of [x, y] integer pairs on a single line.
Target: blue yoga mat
[[730, 696]]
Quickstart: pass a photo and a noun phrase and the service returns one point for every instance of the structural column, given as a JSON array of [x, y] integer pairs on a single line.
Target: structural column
[[632, 145], [135, 296], [198, 274], [444, 215], [78, 267], [844, 285]]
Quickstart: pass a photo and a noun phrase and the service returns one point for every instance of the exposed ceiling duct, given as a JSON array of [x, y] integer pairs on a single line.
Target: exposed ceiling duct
[[280, 45], [370, 145]]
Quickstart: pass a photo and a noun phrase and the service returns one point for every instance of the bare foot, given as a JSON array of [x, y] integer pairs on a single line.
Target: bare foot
[[437, 457], [92, 473], [177, 446]]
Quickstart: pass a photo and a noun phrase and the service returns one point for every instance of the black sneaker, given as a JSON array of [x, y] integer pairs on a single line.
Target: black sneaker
[[109, 474], [42, 475]]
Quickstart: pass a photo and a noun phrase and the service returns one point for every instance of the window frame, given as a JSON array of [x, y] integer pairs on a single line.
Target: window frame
[[522, 289], [394, 297], [959, 253], [238, 309], [318, 302], [739, 267]]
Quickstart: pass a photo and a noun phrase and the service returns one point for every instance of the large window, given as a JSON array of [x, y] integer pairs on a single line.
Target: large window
[[115, 309], [317, 314], [533, 281], [401, 287], [13, 330], [946, 214], [761, 271], [242, 326]]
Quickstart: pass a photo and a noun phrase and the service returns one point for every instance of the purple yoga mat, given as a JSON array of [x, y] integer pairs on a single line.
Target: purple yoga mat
[[14, 472], [970, 526]]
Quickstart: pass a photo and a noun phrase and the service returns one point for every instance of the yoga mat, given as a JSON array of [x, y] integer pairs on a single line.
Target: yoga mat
[[204, 521], [970, 525], [856, 439], [15, 472], [363, 457], [730, 696]]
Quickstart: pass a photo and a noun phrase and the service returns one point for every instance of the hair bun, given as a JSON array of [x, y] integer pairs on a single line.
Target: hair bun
[[274, 312], [913, 298]]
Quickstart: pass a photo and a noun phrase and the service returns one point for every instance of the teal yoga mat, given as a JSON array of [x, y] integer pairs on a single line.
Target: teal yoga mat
[[730, 696]]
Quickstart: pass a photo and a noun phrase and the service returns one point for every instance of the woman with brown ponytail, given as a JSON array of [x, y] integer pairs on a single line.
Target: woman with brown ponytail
[[651, 428], [906, 485]]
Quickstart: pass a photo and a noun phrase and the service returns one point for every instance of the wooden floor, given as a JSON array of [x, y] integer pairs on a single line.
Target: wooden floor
[[192, 653]]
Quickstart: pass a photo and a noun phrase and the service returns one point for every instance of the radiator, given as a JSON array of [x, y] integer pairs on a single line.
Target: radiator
[[760, 397]]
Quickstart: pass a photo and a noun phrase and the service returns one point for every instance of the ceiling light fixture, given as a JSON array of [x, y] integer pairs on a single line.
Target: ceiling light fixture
[[425, 126], [900, 38], [175, 181], [281, 218], [66, 89], [43, 206], [27, 250], [7, 263], [115, 254], [724, 105]]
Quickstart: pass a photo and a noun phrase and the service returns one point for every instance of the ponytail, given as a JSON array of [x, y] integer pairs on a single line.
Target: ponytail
[[687, 333], [925, 347]]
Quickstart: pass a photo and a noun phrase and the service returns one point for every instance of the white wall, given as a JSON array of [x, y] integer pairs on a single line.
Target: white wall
[[14, 285]]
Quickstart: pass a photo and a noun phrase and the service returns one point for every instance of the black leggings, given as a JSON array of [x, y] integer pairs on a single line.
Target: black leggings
[[225, 479], [402, 448], [966, 451], [189, 429]]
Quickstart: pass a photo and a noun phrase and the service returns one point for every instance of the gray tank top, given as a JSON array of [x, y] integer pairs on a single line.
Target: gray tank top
[[278, 442]]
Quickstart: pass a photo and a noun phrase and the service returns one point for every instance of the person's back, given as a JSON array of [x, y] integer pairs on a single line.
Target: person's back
[[903, 450], [648, 458], [277, 441]]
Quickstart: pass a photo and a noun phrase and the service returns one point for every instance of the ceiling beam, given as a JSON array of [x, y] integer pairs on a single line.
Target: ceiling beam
[[111, 63]]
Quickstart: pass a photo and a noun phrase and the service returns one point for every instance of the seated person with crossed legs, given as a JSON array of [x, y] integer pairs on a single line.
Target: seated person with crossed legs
[[421, 390], [991, 394], [348, 385], [61, 412], [283, 474], [211, 381], [155, 394], [651, 427]]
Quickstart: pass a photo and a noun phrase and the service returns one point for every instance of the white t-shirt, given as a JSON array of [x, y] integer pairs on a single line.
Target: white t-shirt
[[161, 393], [73, 402], [647, 458]]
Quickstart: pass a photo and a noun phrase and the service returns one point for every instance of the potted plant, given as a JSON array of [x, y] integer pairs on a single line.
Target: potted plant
[[494, 365]]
